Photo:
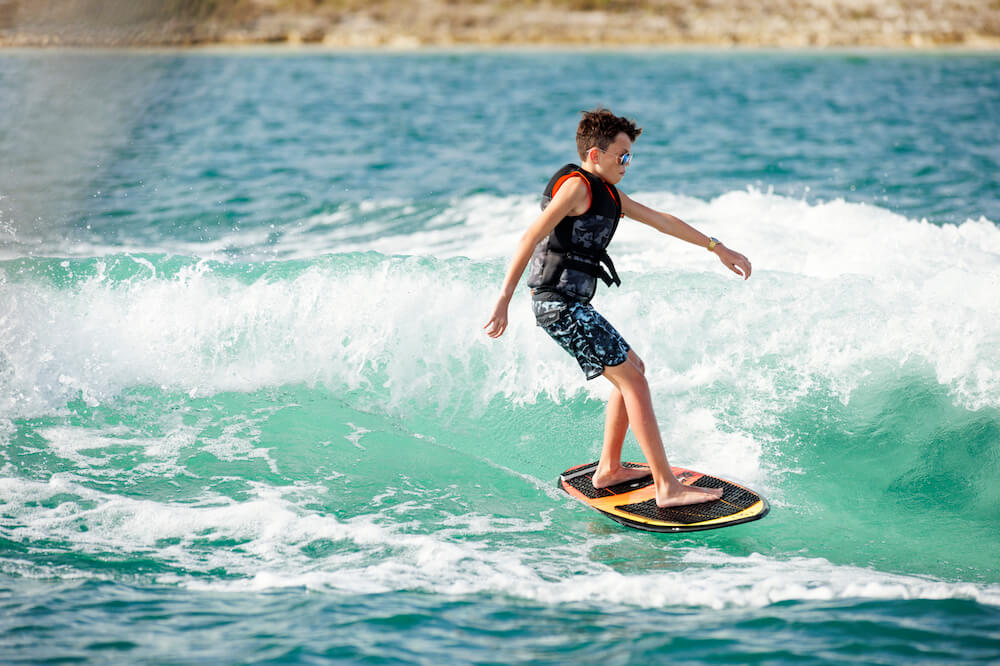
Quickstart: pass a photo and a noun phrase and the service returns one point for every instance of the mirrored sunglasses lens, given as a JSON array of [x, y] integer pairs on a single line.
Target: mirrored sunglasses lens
[[626, 159]]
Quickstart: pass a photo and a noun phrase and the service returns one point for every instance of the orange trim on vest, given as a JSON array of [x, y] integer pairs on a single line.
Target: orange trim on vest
[[590, 193], [614, 198]]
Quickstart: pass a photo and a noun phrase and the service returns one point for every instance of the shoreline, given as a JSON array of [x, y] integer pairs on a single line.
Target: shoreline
[[275, 46], [285, 48], [406, 25]]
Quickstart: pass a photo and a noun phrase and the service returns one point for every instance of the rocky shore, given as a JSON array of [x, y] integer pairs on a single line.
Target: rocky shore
[[590, 23]]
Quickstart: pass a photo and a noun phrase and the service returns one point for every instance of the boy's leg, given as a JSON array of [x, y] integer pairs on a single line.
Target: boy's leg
[[609, 469], [631, 385]]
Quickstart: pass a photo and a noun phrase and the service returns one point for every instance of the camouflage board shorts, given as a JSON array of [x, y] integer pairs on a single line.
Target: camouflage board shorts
[[581, 331]]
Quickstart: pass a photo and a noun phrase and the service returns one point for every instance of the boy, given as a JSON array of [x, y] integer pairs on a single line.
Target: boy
[[566, 246]]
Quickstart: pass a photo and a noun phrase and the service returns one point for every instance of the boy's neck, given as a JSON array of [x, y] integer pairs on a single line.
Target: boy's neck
[[591, 168]]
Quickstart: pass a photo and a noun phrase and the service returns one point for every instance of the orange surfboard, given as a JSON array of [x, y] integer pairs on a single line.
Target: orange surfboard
[[633, 503]]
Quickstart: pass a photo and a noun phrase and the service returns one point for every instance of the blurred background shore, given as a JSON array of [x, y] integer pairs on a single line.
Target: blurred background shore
[[971, 24]]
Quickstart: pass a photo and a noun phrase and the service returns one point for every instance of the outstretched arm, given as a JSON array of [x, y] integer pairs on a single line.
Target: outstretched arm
[[573, 198], [678, 228]]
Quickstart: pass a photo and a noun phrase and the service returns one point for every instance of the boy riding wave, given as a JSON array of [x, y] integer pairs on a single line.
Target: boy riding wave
[[566, 247]]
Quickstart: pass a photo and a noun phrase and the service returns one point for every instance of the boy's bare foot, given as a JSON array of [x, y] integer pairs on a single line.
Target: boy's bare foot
[[686, 495], [621, 475]]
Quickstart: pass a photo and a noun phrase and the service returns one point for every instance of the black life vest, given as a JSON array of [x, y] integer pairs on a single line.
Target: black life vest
[[569, 260]]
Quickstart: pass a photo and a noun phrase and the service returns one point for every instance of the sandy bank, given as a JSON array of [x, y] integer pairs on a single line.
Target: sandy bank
[[396, 23]]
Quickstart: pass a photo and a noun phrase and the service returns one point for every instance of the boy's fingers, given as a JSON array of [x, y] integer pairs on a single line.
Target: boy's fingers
[[740, 266], [494, 329]]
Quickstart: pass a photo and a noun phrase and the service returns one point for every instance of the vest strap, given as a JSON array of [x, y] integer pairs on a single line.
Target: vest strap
[[609, 276]]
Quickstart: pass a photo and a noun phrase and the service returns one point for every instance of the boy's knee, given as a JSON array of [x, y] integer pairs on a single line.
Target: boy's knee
[[637, 362]]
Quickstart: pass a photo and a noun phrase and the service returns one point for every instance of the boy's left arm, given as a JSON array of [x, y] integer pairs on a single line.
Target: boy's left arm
[[678, 228]]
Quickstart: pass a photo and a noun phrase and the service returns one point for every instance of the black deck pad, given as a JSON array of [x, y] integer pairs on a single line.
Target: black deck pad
[[637, 502]]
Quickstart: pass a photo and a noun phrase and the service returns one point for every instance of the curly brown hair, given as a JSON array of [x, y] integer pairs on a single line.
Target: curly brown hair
[[600, 127]]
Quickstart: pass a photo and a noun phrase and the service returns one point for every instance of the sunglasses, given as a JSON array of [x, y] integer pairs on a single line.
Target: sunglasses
[[624, 159]]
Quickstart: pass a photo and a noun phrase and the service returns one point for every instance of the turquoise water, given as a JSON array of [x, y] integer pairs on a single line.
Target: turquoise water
[[248, 414]]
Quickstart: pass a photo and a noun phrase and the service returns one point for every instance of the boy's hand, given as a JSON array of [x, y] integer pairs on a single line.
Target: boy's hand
[[498, 322], [733, 260]]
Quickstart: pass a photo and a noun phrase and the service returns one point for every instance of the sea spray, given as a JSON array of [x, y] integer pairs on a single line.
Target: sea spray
[[834, 296]]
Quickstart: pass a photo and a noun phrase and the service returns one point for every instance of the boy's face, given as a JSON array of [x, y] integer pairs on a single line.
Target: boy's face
[[607, 164]]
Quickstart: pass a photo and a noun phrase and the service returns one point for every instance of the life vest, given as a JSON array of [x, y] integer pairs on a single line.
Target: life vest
[[569, 260]]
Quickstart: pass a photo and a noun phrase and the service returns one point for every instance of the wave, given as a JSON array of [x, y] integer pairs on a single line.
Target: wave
[[812, 237], [858, 362], [840, 291]]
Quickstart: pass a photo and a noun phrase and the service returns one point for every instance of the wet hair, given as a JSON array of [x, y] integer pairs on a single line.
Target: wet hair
[[600, 127]]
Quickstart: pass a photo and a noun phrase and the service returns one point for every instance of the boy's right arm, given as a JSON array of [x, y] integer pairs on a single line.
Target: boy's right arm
[[572, 198]]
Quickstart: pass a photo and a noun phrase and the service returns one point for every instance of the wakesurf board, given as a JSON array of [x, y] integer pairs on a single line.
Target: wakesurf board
[[633, 503]]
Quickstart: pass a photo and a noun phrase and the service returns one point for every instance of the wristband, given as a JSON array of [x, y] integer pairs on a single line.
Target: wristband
[[712, 242]]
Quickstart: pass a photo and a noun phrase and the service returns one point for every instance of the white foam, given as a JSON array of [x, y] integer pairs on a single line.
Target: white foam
[[816, 239], [839, 291], [720, 581], [475, 554]]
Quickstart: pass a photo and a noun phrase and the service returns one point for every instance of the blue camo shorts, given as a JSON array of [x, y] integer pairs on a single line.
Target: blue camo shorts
[[583, 332]]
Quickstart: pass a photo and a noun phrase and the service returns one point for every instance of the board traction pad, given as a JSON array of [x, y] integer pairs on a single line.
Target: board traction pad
[[735, 502]]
